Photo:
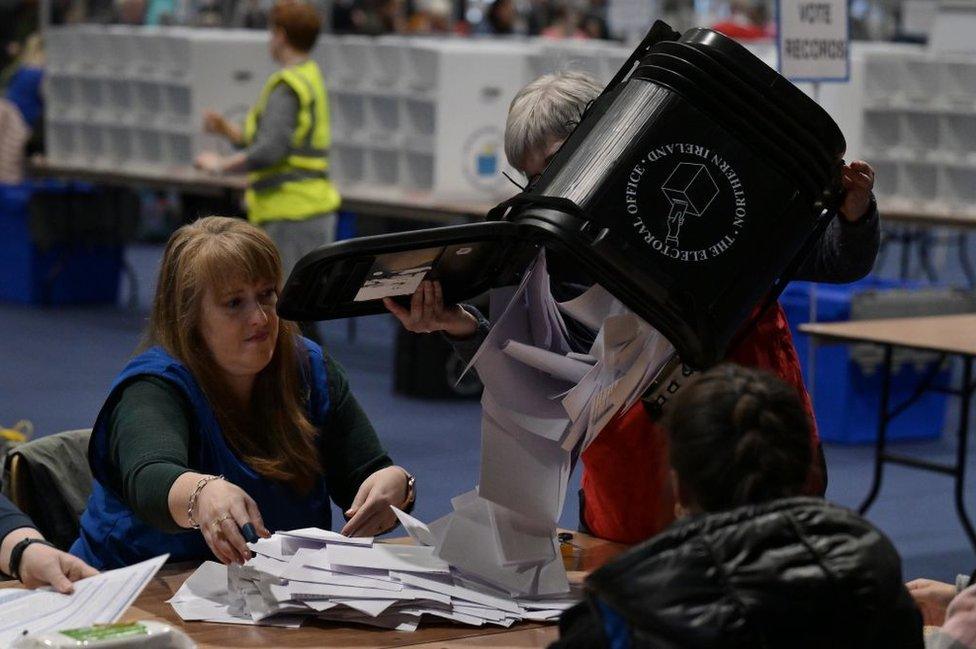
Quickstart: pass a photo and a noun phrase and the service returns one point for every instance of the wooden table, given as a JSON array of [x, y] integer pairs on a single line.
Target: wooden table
[[589, 554], [953, 335], [393, 203]]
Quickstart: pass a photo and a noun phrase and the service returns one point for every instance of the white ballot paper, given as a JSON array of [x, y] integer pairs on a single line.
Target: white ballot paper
[[417, 530], [543, 401], [558, 366], [101, 599]]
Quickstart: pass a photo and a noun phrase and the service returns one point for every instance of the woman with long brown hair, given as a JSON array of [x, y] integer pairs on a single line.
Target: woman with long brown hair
[[228, 422]]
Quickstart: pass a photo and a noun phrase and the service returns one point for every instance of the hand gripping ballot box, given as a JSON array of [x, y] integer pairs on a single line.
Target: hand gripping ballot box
[[689, 190]]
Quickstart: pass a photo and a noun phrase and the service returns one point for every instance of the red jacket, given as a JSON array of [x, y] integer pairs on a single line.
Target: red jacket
[[626, 487]]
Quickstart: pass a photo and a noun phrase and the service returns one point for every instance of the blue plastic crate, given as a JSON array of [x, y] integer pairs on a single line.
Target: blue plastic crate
[[845, 395], [346, 226], [63, 274]]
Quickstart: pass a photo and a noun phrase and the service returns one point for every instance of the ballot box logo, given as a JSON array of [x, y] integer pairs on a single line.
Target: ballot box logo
[[686, 202], [482, 159], [690, 190]]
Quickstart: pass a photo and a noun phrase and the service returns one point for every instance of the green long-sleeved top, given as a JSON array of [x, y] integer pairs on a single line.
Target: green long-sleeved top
[[151, 442]]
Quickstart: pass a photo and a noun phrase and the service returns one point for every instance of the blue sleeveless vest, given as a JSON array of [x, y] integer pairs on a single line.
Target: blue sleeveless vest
[[113, 536]]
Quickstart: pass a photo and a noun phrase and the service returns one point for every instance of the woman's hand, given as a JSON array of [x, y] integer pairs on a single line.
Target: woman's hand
[[427, 313], [223, 508], [41, 565], [858, 182], [370, 513], [932, 598]]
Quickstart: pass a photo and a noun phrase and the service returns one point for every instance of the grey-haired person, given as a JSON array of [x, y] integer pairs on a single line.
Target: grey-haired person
[[541, 117]]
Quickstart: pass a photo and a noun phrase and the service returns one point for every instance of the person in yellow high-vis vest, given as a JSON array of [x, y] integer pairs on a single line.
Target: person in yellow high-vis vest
[[285, 144]]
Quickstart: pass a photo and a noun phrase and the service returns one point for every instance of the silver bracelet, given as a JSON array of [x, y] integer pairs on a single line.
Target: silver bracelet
[[201, 483]]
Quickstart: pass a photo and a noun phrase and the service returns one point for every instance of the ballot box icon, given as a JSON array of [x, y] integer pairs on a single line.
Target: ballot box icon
[[690, 189]]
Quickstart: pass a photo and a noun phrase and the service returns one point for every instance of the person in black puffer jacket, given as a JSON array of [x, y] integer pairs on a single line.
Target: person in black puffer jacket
[[748, 564]]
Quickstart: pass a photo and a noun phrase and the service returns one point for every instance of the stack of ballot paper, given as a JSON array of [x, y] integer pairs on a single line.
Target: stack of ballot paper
[[314, 573]]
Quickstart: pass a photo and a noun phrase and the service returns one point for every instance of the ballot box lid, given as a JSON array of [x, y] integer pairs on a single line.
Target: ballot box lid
[[351, 278], [691, 191]]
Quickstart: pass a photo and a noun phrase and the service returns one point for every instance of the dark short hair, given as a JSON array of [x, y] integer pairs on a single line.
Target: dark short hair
[[739, 436], [299, 21]]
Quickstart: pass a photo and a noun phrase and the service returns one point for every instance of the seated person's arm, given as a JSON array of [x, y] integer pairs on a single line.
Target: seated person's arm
[[933, 597], [361, 477], [40, 564], [149, 441]]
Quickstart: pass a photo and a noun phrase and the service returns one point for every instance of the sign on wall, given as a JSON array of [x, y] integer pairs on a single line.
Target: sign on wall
[[813, 39]]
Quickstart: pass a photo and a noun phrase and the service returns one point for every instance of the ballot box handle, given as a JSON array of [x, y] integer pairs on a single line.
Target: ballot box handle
[[659, 31], [530, 199]]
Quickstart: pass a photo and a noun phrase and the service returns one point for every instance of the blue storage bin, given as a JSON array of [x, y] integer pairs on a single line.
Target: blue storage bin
[[61, 274], [346, 226], [846, 395]]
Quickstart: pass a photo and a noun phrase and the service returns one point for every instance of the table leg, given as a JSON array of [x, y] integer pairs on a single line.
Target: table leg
[[964, 261], [883, 248], [879, 448], [905, 237], [965, 394], [924, 241]]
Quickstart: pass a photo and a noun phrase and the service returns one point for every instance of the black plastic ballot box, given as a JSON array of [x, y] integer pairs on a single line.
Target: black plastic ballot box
[[689, 190]]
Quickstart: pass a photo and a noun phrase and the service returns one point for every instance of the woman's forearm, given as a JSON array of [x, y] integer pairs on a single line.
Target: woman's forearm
[[179, 497]]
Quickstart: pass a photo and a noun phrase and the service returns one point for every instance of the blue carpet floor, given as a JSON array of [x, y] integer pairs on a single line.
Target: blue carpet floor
[[57, 363]]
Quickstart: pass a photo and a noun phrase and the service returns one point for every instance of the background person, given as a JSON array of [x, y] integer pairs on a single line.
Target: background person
[[228, 419], [286, 138], [501, 19]]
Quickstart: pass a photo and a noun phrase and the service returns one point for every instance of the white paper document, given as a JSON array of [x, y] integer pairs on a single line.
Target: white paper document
[[403, 558], [313, 537], [521, 540], [558, 366], [101, 599], [417, 530], [522, 472], [590, 308], [326, 536], [312, 566]]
